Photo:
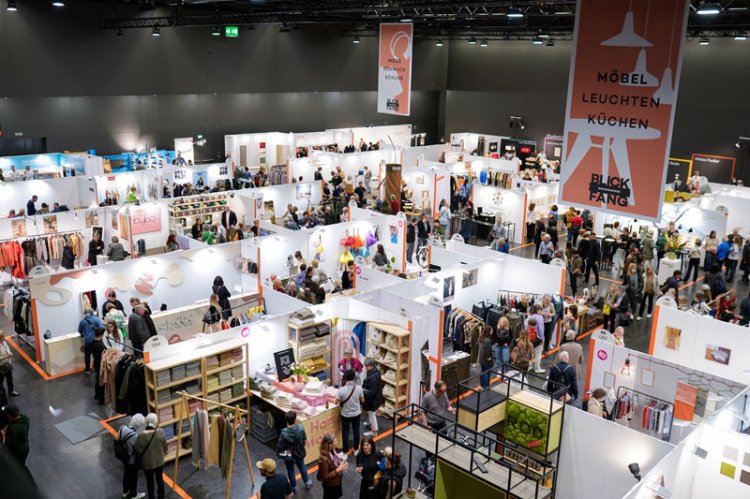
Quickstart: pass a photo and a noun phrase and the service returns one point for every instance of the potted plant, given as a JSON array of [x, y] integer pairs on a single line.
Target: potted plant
[[389, 265], [674, 246], [300, 372]]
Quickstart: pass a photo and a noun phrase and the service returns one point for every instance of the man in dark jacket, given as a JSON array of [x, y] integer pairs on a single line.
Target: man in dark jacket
[[373, 388], [564, 374], [228, 218], [745, 311], [17, 435], [674, 283], [411, 237], [137, 329], [593, 255], [622, 306], [291, 446]]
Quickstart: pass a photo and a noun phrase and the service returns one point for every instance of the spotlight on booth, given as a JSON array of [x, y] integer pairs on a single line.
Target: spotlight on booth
[[635, 470]]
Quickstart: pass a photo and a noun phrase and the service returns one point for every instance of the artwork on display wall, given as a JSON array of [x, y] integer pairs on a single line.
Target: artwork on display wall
[[19, 228], [92, 218], [622, 94], [419, 179], [609, 379], [200, 179], [449, 288], [98, 230], [684, 401], [269, 212], [715, 353], [124, 227], [470, 278], [647, 377], [145, 220], [672, 336], [89, 301], [394, 234], [303, 191], [50, 224]]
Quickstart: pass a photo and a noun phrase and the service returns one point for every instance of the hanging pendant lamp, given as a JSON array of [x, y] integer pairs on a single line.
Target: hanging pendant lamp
[[665, 93], [646, 79], [627, 37]]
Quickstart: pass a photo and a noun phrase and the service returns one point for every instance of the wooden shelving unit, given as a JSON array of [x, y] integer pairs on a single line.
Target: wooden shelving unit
[[211, 363], [189, 207], [390, 347], [315, 345]]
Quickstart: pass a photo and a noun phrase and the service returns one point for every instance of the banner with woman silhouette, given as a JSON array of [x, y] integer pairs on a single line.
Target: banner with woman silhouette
[[625, 72], [394, 68]]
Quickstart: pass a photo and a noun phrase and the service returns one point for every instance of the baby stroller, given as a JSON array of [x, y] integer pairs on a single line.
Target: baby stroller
[[425, 475]]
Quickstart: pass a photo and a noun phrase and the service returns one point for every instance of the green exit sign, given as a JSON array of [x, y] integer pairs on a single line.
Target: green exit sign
[[231, 31]]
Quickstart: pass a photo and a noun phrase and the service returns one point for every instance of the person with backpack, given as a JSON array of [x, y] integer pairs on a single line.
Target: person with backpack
[[372, 386], [291, 449], [563, 373], [125, 453], [150, 448], [350, 397], [86, 330]]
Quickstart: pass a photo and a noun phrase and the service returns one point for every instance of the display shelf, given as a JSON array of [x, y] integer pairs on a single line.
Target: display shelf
[[226, 385], [224, 368], [296, 330], [181, 452], [533, 422], [177, 383], [390, 347]]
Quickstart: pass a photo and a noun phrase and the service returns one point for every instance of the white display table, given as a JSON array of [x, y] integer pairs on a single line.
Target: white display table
[[667, 268]]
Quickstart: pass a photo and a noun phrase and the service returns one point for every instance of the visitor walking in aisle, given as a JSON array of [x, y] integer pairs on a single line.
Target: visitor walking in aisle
[[220, 290], [86, 330], [291, 448], [745, 311], [423, 232], [347, 276], [485, 356], [575, 268], [150, 447], [137, 329], [96, 247], [16, 436], [444, 218], [372, 386], [208, 236], [6, 366], [733, 258], [575, 352], [649, 290], [522, 353], [410, 238], [546, 249], [535, 328], [68, 256], [197, 229], [128, 435], [116, 251], [530, 222], [437, 408], [694, 261], [97, 349], [622, 306], [276, 486], [113, 336], [549, 315], [331, 466], [673, 282], [745, 261], [367, 466], [633, 282], [593, 257], [350, 397], [563, 374], [501, 343], [618, 336]]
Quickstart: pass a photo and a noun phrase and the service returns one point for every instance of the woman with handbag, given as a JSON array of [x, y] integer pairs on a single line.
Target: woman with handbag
[[6, 365], [522, 353], [150, 448], [367, 467], [331, 467]]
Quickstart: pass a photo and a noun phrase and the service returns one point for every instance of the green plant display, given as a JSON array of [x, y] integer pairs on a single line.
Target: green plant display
[[526, 427]]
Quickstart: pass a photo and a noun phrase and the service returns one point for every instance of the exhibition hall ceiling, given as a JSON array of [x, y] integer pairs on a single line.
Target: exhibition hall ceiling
[[438, 19]]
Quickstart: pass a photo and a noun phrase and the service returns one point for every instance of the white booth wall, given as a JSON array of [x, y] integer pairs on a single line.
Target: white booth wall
[[278, 148], [698, 336], [398, 135], [737, 204], [509, 204], [175, 279], [64, 190], [413, 156]]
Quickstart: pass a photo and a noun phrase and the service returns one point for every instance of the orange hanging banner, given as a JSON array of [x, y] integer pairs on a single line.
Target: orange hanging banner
[[625, 73], [394, 68]]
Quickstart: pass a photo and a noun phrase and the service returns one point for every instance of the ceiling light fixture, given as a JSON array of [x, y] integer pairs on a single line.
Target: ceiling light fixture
[[472, 41], [12, 7], [709, 9], [155, 31], [483, 43], [216, 31], [439, 43], [407, 20], [355, 40], [537, 40], [741, 36], [58, 3], [704, 41], [514, 13]]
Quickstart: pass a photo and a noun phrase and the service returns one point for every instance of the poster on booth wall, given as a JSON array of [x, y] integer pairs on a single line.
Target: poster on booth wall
[[394, 68], [622, 91], [145, 220]]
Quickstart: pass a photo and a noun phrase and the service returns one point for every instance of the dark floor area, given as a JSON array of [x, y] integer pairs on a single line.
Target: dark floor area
[[89, 469]]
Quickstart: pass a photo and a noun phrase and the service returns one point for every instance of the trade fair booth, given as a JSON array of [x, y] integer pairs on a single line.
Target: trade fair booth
[[49, 165], [267, 150]]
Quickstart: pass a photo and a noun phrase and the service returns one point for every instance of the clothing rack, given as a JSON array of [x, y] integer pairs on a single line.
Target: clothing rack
[[464, 328], [238, 413], [647, 411], [58, 233]]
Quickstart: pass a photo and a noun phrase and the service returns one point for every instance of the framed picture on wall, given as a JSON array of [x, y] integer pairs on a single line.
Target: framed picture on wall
[[718, 354], [672, 336], [419, 179], [50, 224], [449, 288], [470, 278], [92, 218], [647, 377], [19, 228], [609, 379]]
